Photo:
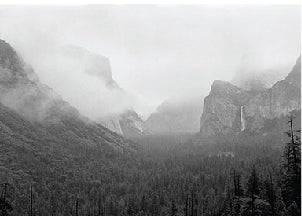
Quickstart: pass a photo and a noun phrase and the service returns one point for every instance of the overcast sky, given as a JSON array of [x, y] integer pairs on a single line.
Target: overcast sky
[[160, 52]]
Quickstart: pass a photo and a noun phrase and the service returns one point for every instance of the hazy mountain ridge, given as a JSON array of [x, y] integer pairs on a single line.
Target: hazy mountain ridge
[[230, 109], [48, 116], [258, 81], [176, 117]]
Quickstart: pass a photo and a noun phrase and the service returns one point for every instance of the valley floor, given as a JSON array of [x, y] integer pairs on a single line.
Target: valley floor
[[167, 175]]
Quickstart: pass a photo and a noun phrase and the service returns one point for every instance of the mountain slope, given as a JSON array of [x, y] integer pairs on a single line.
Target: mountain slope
[[175, 117], [229, 109], [79, 72], [43, 111]]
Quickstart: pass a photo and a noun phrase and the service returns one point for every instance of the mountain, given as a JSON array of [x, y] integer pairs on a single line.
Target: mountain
[[251, 81], [229, 109], [93, 64], [92, 68], [127, 123], [175, 117], [32, 114]]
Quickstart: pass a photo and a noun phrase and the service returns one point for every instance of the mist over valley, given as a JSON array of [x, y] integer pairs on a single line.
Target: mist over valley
[[192, 110]]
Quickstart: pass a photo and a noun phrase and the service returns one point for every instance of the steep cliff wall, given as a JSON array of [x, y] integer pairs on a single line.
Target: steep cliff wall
[[229, 109], [221, 112]]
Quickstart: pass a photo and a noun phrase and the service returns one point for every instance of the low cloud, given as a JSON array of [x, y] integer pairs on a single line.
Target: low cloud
[[155, 52]]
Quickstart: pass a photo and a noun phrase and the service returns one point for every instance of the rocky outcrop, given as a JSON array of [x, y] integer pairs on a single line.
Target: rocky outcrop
[[230, 109], [128, 124], [276, 101], [221, 112], [92, 63]]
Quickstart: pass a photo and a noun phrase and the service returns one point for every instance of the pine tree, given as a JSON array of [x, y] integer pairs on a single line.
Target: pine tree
[[173, 209], [5, 206], [235, 197], [131, 210], [192, 204], [270, 194], [253, 188], [187, 205], [238, 191], [77, 207], [143, 203], [291, 170], [280, 205], [31, 201]]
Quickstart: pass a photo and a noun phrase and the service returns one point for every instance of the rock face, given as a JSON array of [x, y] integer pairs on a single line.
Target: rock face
[[229, 109], [29, 102], [176, 117], [76, 60], [221, 112], [93, 64], [128, 124]]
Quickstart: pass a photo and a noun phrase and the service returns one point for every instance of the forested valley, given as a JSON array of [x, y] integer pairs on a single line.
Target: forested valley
[[166, 175]]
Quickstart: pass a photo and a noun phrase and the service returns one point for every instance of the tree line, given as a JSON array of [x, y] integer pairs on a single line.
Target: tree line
[[167, 176]]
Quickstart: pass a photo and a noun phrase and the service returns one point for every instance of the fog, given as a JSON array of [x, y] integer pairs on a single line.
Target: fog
[[155, 52]]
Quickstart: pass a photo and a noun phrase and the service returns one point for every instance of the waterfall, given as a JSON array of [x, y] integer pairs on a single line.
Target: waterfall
[[242, 119]]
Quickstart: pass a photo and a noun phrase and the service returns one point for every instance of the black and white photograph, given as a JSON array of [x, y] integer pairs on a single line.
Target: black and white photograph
[[132, 109]]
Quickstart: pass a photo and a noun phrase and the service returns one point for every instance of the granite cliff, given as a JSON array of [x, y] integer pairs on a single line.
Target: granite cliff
[[128, 124], [229, 109], [33, 114]]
